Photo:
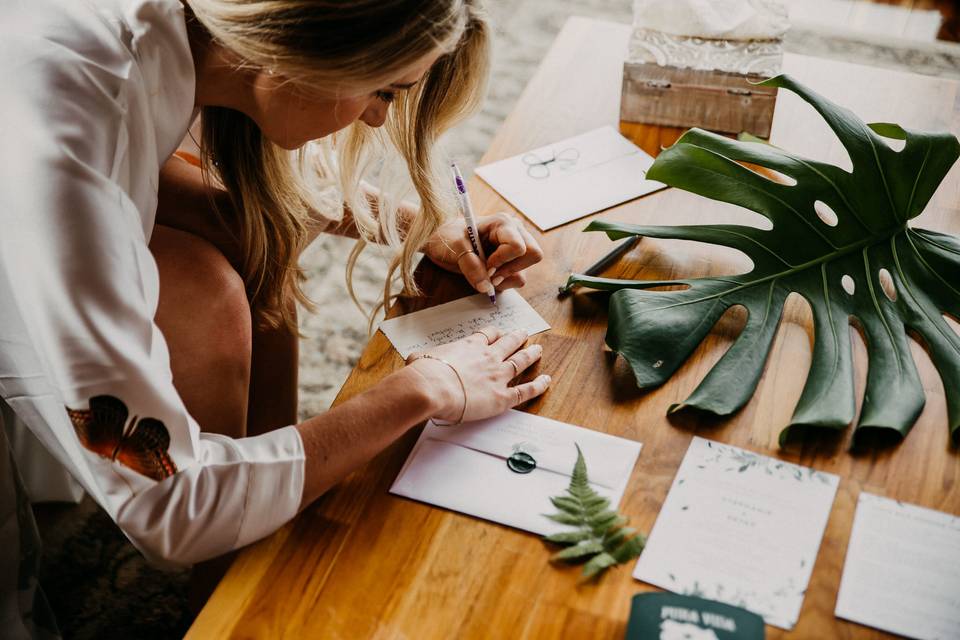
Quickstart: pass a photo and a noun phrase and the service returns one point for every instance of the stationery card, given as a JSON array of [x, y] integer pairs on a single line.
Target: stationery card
[[668, 616], [507, 468], [902, 572], [454, 320], [740, 528], [572, 178]]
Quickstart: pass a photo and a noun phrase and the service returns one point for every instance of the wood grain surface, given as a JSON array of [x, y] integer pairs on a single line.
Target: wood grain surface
[[361, 563]]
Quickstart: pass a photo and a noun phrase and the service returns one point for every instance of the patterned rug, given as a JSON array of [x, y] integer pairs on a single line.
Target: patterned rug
[[98, 584]]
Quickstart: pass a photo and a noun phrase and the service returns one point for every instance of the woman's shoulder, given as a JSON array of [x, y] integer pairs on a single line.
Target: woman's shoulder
[[107, 34], [87, 65]]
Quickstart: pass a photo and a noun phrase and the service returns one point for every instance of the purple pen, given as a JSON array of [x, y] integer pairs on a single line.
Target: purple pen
[[467, 210]]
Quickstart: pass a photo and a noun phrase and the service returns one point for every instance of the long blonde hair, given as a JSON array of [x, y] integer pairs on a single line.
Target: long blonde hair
[[352, 47]]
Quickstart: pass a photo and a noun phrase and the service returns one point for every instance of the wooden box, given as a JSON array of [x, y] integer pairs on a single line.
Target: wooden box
[[694, 82]]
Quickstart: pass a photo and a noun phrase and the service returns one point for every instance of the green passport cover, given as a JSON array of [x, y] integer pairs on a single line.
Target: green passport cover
[[668, 616]]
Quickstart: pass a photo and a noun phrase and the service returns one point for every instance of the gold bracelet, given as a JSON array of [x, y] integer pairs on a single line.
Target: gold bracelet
[[463, 388]]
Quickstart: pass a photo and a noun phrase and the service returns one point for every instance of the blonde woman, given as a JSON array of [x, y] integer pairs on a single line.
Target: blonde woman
[[147, 305]]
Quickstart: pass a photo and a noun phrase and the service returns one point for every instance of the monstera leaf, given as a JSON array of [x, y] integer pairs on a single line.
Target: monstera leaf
[[864, 262]]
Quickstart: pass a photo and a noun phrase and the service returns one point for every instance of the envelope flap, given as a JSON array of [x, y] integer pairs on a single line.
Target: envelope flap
[[552, 444]]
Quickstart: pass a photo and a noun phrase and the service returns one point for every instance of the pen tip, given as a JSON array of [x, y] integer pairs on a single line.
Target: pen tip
[[493, 298]]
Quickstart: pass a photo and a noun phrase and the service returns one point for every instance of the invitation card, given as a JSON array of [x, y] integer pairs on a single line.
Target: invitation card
[[740, 528], [902, 572]]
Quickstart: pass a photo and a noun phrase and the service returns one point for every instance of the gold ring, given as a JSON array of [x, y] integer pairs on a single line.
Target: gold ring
[[489, 341], [516, 368], [519, 395], [463, 253]]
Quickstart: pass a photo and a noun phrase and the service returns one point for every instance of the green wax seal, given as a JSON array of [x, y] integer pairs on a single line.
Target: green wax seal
[[521, 462]]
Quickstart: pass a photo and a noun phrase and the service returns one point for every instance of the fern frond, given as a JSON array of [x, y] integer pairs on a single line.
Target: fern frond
[[581, 549], [630, 549], [568, 537], [597, 565], [601, 538]]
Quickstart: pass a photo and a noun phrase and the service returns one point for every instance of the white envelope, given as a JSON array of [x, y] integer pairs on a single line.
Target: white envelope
[[464, 468]]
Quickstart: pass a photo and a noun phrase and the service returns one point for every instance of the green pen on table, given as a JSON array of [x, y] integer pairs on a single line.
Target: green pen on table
[[601, 265]]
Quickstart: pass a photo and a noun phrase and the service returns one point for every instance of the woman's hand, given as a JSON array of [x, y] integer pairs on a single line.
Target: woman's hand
[[510, 249], [485, 363]]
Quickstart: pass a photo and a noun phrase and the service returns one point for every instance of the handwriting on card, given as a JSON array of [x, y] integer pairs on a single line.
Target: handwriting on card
[[449, 322], [506, 319]]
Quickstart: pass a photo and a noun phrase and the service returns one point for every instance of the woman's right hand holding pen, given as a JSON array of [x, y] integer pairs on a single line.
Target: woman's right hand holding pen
[[511, 249], [471, 377]]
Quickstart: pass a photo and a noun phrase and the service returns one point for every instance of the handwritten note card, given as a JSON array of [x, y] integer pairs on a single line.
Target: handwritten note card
[[572, 178], [902, 572], [454, 320], [740, 528]]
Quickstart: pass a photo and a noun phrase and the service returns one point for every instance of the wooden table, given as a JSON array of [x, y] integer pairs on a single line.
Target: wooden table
[[361, 563]]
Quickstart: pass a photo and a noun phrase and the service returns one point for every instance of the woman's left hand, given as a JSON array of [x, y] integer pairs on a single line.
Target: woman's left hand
[[510, 249]]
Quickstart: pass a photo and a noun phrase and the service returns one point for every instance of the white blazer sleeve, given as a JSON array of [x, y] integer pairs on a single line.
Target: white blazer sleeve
[[81, 360]]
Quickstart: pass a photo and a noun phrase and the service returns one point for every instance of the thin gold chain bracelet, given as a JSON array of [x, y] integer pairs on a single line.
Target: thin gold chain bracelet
[[463, 388]]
